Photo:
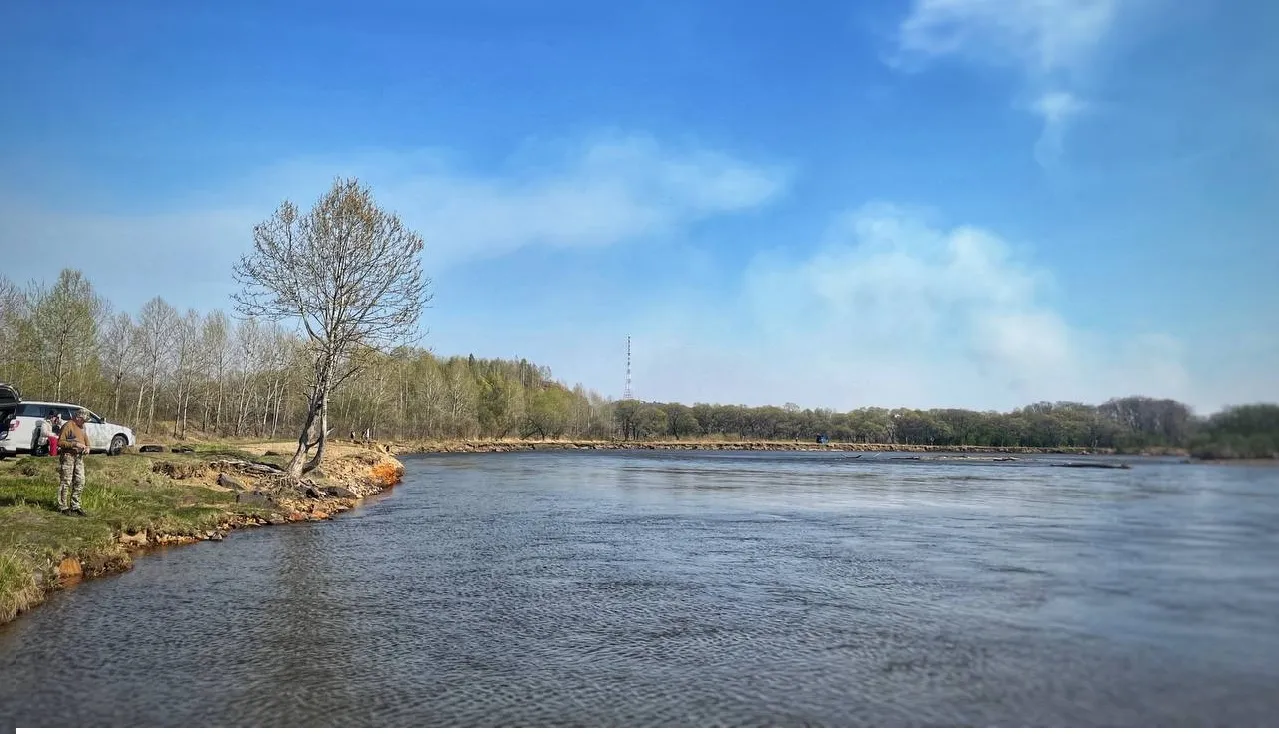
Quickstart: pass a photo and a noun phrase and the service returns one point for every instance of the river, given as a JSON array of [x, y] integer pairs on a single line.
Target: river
[[649, 588]]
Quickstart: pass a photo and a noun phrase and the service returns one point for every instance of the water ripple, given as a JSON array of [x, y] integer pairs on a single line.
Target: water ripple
[[619, 589]]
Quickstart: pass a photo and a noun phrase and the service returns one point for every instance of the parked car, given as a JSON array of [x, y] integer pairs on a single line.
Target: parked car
[[18, 419]]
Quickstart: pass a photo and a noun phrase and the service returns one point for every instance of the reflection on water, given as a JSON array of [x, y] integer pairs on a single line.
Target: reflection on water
[[708, 589]]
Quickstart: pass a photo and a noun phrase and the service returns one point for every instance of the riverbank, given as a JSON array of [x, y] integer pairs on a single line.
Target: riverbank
[[491, 445], [509, 444], [1269, 463], [135, 502]]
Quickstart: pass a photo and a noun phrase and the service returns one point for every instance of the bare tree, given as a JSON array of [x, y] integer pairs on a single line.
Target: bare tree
[[250, 338], [215, 338], [188, 364], [155, 334], [280, 353], [459, 391], [350, 274], [429, 383], [118, 353]]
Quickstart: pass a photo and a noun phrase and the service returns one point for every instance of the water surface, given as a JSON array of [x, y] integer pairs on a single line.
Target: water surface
[[694, 589]]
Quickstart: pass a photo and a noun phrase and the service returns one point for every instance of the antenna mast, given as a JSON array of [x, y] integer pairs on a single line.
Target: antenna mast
[[626, 394]]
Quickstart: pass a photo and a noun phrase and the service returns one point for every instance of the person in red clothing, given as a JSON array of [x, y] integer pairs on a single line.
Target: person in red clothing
[[55, 426]]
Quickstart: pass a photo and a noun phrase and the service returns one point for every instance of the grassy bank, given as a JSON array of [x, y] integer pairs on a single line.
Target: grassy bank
[[138, 501]]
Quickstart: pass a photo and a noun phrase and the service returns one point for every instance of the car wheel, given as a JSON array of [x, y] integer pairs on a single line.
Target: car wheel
[[117, 445]]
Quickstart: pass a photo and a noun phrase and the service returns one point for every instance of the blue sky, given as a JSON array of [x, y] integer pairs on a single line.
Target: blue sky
[[975, 203]]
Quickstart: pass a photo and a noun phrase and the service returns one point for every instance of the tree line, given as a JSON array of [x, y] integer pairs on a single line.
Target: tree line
[[1124, 424], [166, 371], [161, 370]]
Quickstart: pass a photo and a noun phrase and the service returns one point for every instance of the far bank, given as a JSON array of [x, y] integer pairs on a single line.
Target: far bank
[[511, 444]]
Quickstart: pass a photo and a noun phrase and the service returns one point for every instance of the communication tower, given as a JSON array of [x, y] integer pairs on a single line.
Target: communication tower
[[626, 394]]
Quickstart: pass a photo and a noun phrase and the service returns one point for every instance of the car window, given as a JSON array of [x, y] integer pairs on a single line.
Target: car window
[[33, 410]]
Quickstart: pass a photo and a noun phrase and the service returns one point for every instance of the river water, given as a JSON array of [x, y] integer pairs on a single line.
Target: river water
[[616, 589]]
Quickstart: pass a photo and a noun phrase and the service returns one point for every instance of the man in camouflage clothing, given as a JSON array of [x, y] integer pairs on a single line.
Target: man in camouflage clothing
[[73, 444]]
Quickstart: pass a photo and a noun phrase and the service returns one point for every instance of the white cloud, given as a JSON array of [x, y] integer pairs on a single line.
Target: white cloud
[[1042, 37], [891, 311], [1057, 109], [605, 192], [1050, 43]]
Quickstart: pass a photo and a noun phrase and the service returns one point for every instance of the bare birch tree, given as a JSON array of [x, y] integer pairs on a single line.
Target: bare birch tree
[[187, 367], [350, 275], [155, 334], [215, 339], [119, 352]]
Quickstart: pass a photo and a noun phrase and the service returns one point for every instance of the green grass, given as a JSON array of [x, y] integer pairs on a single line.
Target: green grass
[[121, 493], [19, 588]]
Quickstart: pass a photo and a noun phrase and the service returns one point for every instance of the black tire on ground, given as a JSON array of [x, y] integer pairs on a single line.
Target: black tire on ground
[[118, 442]]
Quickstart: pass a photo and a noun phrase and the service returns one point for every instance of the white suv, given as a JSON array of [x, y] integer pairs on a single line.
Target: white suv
[[18, 419]]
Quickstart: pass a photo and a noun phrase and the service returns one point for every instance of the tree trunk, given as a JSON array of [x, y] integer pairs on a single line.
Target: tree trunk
[[57, 376], [317, 407], [275, 417], [137, 413], [297, 464], [115, 396], [274, 393], [155, 377], [242, 411], [177, 408], [314, 463], [217, 415], [186, 408]]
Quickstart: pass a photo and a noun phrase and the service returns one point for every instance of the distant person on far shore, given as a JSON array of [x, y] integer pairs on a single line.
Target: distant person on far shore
[[73, 444], [368, 435]]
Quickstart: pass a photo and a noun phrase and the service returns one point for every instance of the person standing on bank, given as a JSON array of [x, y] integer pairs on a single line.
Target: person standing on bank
[[55, 427], [38, 432], [73, 444]]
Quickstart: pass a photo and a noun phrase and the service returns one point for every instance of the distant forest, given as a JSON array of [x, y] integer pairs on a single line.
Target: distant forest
[[187, 373]]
